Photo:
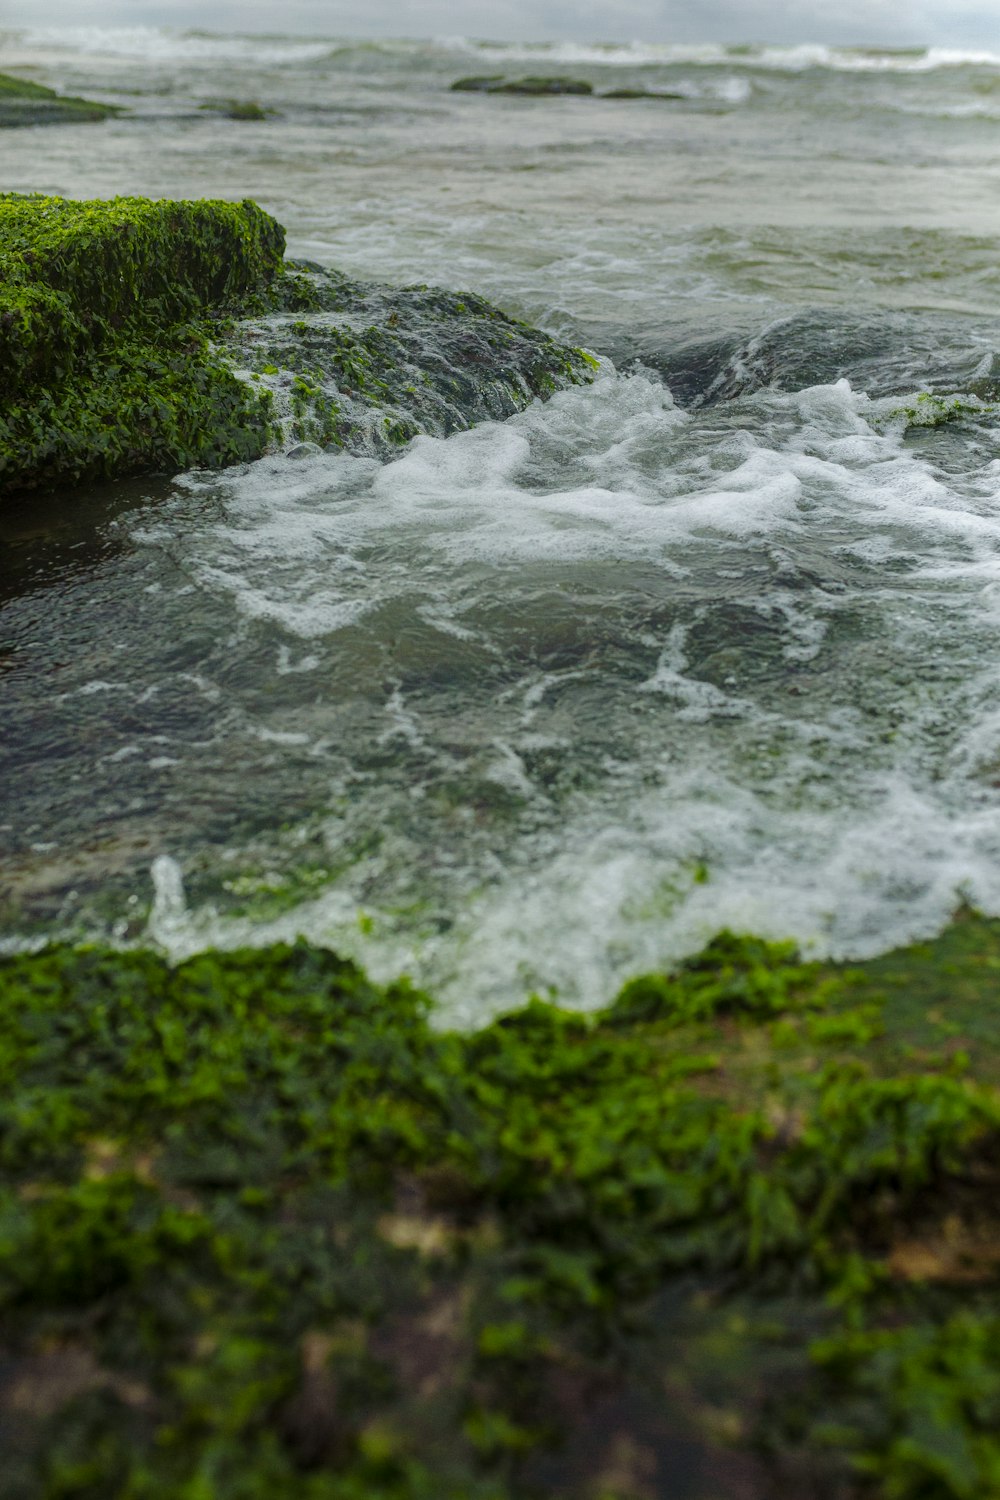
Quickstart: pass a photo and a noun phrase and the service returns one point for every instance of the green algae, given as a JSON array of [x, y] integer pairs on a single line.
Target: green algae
[[478, 83], [106, 366], [264, 1231], [25, 103], [930, 410]]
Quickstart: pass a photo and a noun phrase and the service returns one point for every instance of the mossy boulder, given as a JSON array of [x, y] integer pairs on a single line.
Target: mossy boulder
[[138, 335], [25, 103], [264, 1231], [105, 363]]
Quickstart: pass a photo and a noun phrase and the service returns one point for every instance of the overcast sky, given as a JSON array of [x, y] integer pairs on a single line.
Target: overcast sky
[[939, 23]]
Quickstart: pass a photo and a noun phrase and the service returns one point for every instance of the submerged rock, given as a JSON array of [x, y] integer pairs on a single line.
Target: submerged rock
[[238, 109], [26, 103], [139, 336], [640, 94]]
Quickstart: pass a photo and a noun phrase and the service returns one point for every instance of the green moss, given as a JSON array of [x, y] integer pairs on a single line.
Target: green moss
[[370, 366], [25, 103], [105, 310], [263, 1231]]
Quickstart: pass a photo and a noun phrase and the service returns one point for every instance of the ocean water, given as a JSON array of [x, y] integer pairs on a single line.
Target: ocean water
[[543, 704]]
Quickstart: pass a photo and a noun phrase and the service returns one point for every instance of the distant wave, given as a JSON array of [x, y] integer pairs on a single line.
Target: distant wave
[[158, 44], [162, 44], [791, 58]]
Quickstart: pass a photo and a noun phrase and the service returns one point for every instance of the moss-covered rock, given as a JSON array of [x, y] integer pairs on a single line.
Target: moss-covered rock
[[105, 362], [479, 83], [626, 93], [25, 103], [364, 367], [139, 335], [532, 86], [263, 1231], [238, 109]]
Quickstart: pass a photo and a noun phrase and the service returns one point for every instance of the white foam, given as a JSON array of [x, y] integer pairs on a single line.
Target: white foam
[[794, 57], [819, 767]]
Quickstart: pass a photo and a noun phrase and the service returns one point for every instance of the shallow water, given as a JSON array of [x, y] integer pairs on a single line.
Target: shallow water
[[542, 704]]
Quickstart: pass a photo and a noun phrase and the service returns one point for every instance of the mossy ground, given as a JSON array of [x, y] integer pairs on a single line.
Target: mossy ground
[[263, 1232]]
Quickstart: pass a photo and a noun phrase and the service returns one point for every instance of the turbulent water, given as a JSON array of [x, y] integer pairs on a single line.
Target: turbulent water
[[543, 704]]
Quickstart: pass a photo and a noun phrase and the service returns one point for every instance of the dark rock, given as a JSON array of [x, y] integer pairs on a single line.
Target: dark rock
[[238, 109]]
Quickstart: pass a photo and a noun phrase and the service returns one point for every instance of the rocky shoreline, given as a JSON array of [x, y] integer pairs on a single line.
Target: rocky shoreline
[[265, 1231], [140, 336]]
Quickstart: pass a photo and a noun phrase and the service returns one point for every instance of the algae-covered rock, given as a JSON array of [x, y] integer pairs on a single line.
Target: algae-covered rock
[[532, 86], [238, 109], [479, 83], [265, 1232], [364, 367], [626, 93], [138, 335], [25, 103]]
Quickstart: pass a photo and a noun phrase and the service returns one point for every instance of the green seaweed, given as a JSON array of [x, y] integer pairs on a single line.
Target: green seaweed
[[263, 1230], [106, 366]]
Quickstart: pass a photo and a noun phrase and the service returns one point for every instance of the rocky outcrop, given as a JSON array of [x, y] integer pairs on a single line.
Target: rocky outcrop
[[26, 103], [138, 336]]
